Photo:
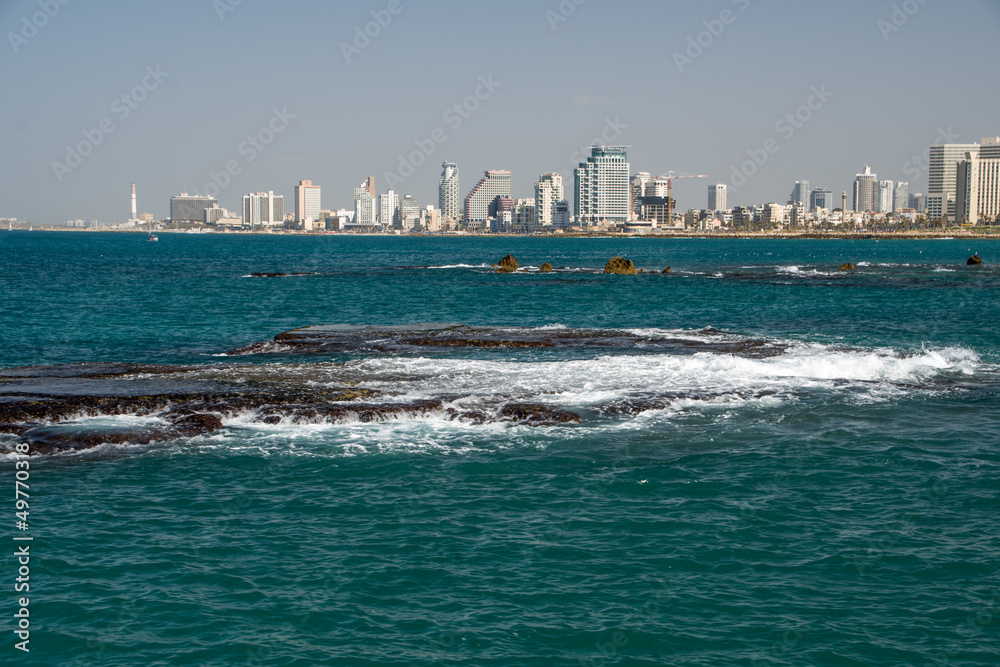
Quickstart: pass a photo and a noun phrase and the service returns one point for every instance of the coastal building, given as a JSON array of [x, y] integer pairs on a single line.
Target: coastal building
[[656, 209], [481, 203], [308, 203], [212, 215], [886, 192], [658, 187], [918, 202], [365, 213], [639, 184], [525, 218], [562, 217], [431, 220], [602, 186], [388, 209], [821, 198], [978, 185], [901, 198], [190, 208], [548, 194], [263, 209], [409, 213], [942, 176], [717, 197], [800, 193], [866, 191], [449, 194]]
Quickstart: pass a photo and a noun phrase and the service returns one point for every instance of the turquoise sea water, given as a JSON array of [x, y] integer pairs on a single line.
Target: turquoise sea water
[[834, 503]]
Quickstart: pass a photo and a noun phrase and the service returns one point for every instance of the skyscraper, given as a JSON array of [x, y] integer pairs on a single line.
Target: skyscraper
[[187, 208], [800, 192], [449, 194], [480, 205], [364, 204], [263, 208], [886, 191], [821, 198], [978, 185], [717, 197], [901, 199], [548, 193], [308, 203], [942, 174], [866, 191], [602, 186], [639, 184], [388, 209], [409, 213]]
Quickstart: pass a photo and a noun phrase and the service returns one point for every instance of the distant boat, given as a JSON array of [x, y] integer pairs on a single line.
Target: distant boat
[[152, 237]]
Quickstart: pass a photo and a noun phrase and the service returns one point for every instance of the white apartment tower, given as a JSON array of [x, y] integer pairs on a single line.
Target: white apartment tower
[[365, 214], [548, 194], [480, 205], [901, 199], [942, 175], [886, 191], [263, 208], [449, 194], [978, 184], [866, 191], [717, 197], [388, 209], [602, 186]]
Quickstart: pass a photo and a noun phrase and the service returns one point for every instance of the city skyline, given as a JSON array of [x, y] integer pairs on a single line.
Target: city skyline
[[700, 91]]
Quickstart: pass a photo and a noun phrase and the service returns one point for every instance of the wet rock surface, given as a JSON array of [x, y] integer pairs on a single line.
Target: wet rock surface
[[848, 267], [546, 268], [975, 260], [507, 265], [621, 267]]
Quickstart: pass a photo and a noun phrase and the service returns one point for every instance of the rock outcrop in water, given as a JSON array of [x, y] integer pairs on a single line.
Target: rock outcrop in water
[[667, 271], [507, 265], [546, 268], [848, 267], [975, 260], [621, 267]]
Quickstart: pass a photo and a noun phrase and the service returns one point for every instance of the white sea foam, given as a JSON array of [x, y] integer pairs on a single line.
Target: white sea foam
[[461, 266]]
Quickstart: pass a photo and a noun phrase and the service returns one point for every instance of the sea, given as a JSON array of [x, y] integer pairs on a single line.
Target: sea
[[756, 459]]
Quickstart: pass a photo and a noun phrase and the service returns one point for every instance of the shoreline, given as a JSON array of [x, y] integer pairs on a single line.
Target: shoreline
[[957, 234]]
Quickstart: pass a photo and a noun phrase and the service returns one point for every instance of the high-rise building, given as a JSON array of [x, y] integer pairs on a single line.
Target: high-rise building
[[308, 203], [409, 213], [821, 198], [942, 175], [432, 219], [918, 202], [639, 184], [901, 199], [602, 186], [978, 185], [388, 209], [717, 197], [449, 194], [548, 193], [480, 205], [658, 187], [562, 215], [886, 191], [866, 191], [263, 208], [188, 208], [525, 217], [800, 192], [365, 213]]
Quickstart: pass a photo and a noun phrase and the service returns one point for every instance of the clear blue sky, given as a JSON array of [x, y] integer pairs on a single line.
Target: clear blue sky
[[608, 61]]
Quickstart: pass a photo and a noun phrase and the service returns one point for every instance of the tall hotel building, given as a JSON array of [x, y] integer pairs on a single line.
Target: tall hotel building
[[263, 208], [449, 194], [480, 205], [388, 209], [548, 194], [942, 175], [308, 203], [602, 186], [866, 191], [717, 197], [365, 213], [977, 199]]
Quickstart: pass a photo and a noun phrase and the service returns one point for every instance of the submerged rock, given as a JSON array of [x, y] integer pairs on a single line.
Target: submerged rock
[[848, 267], [546, 268], [507, 265], [974, 261], [533, 414], [621, 267]]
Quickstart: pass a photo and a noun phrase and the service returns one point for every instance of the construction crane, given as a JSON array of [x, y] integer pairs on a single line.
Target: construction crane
[[672, 176]]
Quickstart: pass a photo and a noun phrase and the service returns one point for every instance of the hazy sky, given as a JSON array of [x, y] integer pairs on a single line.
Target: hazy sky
[[202, 76]]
